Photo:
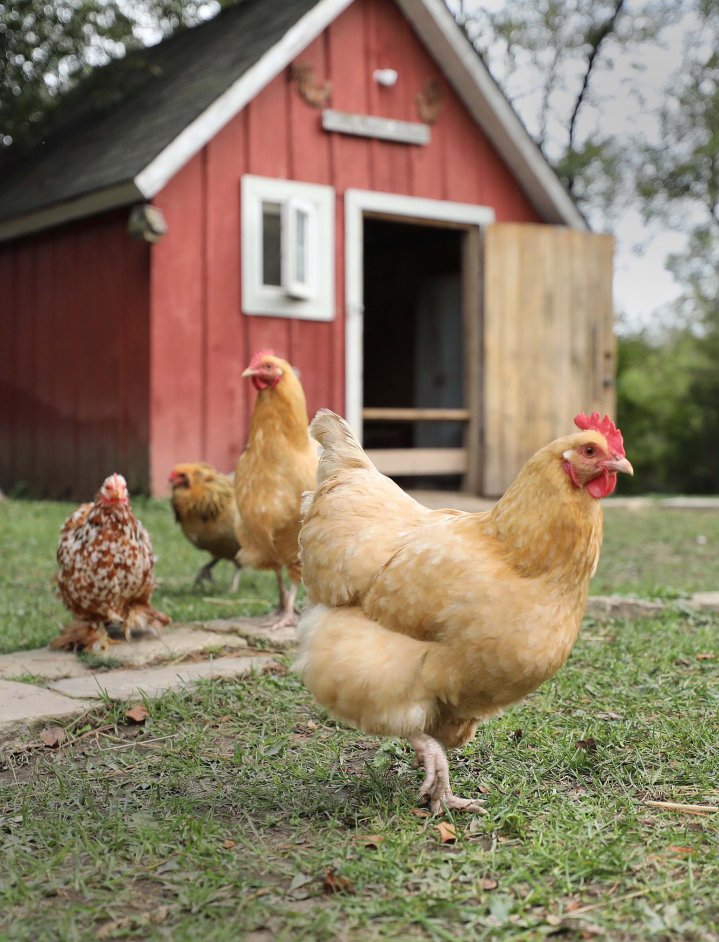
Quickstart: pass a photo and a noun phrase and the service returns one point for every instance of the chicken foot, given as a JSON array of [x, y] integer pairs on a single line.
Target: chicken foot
[[436, 790], [285, 616], [205, 574]]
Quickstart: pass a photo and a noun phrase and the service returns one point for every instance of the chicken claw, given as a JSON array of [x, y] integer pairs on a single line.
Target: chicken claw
[[436, 790], [286, 615]]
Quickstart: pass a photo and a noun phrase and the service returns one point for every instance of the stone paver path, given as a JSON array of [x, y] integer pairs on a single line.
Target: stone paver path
[[43, 685], [26, 703]]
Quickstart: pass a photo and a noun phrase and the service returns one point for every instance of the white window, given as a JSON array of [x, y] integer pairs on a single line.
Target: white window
[[287, 248]]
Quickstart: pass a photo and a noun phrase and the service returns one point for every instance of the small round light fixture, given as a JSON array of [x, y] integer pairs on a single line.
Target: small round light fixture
[[386, 77]]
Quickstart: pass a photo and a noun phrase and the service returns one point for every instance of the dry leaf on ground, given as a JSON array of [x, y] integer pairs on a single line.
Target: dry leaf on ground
[[447, 832], [137, 713], [368, 840], [487, 883], [334, 882], [229, 844], [53, 736], [589, 744]]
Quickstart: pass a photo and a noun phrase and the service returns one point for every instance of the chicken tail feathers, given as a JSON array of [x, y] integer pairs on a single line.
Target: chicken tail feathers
[[340, 448]]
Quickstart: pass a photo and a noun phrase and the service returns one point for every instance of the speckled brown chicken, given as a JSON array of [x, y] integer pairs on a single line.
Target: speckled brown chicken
[[106, 569]]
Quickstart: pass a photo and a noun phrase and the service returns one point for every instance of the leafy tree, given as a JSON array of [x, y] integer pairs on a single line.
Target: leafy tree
[[47, 45], [552, 58], [679, 185]]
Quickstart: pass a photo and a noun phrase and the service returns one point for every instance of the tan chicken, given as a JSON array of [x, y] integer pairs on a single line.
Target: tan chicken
[[203, 501], [106, 570], [423, 623], [277, 466]]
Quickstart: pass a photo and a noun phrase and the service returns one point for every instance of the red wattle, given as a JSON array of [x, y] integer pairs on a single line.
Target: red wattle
[[604, 485]]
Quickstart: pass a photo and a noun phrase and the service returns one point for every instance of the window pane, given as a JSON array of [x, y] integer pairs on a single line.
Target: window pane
[[302, 239], [271, 244]]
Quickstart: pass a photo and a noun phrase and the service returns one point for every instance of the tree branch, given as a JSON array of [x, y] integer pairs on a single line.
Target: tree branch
[[605, 30]]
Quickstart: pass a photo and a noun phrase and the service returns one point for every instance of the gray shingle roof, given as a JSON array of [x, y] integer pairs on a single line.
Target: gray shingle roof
[[120, 118]]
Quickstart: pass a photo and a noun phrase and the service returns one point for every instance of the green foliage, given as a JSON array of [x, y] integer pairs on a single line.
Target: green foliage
[[47, 47], [668, 408]]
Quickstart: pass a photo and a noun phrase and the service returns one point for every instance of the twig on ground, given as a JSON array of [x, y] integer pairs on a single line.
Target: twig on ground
[[611, 900], [143, 742], [677, 806]]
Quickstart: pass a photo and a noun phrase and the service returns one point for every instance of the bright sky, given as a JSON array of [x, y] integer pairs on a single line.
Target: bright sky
[[626, 95]]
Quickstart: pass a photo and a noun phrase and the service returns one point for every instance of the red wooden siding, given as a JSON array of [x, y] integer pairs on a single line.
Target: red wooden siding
[[118, 356], [200, 406], [74, 366]]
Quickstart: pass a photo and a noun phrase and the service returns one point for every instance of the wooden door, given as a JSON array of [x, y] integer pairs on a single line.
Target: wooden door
[[548, 338]]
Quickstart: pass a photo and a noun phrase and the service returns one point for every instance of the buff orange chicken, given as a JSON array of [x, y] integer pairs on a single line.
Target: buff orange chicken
[[423, 623], [203, 501], [278, 464]]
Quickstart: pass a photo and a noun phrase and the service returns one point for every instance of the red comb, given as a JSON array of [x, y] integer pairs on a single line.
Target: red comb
[[259, 357], [606, 427]]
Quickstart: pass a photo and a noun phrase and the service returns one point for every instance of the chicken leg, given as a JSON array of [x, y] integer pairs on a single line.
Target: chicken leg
[[436, 790], [285, 615], [205, 574]]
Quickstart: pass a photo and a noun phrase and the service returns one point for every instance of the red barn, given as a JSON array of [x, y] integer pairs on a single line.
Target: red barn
[[339, 180]]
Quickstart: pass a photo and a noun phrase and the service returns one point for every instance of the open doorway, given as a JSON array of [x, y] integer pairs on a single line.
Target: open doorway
[[413, 393]]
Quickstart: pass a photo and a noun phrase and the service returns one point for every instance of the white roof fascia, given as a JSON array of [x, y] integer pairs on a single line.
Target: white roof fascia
[[194, 137], [470, 78], [88, 205]]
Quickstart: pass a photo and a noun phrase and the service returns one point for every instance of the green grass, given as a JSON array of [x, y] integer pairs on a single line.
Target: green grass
[[652, 552], [649, 552], [220, 818]]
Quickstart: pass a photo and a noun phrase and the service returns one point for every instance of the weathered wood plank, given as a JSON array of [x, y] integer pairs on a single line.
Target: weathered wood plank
[[418, 461], [415, 415], [548, 339]]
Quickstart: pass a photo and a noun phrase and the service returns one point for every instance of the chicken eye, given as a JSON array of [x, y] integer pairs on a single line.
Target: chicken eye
[[589, 451]]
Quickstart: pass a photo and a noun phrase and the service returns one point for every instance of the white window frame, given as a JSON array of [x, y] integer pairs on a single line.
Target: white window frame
[[293, 283], [311, 297]]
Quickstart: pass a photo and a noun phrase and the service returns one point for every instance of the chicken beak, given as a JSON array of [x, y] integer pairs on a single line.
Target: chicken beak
[[250, 372], [619, 464]]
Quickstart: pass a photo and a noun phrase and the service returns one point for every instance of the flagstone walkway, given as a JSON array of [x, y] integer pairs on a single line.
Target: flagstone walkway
[[42, 685]]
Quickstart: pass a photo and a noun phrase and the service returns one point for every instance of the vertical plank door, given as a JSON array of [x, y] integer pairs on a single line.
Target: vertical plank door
[[549, 346]]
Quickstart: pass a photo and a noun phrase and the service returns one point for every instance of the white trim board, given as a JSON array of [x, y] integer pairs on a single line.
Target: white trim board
[[361, 203], [272, 301]]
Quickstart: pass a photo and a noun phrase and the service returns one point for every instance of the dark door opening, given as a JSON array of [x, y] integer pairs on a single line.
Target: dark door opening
[[413, 354]]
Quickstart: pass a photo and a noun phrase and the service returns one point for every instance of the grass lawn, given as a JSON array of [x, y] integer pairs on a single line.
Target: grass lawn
[[234, 813], [240, 812], [649, 552]]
